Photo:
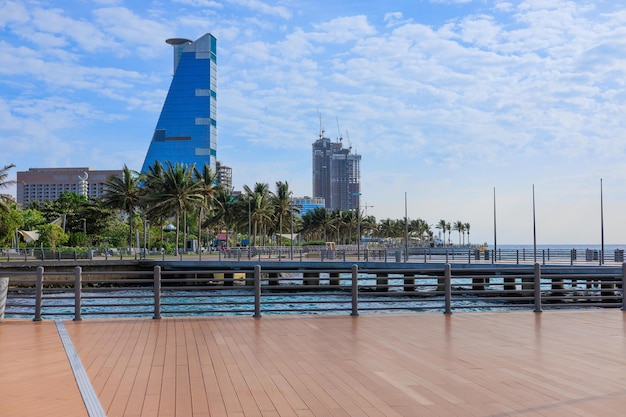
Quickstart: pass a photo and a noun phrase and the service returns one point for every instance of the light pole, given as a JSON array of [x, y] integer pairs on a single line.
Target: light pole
[[406, 230], [85, 229], [249, 229], [357, 208], [291, 215], [146, 236]]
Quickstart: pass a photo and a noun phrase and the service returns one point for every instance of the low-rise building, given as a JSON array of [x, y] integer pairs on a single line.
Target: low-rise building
[[41, 184]]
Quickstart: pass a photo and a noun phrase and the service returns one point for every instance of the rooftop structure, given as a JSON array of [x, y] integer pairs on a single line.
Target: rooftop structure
[[186, 131], [41, 184]]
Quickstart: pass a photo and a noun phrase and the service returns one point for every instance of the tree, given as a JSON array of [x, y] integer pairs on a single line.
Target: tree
[[208, 189], [260, 206], [10, 220], [124, 194], [51, 235], [442, 225], [175, 191], [419, 228], [283, 206], [5, 200], [459, 226], [467, 228]]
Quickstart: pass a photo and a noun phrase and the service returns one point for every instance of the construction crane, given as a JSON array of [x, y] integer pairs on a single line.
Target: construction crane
[[365, 207]]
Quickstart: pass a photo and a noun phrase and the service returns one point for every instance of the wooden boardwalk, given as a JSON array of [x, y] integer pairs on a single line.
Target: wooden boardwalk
[[522, 364]]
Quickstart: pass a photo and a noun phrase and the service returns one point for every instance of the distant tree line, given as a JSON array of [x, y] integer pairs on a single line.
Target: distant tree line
[[190, 199]]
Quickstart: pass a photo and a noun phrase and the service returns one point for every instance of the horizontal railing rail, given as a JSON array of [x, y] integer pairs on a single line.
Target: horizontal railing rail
[[347, 253], [255, 290]]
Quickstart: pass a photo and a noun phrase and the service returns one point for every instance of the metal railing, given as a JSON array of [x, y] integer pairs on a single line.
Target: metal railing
[[344, 253], [256, 291]]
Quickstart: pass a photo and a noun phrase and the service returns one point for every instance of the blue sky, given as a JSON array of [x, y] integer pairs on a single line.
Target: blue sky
[[446, 100]]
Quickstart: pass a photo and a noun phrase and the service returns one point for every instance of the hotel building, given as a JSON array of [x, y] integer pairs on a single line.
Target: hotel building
[[41, 184]]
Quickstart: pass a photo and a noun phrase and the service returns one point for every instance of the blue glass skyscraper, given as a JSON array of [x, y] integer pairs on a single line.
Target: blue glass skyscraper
[[186, 131]]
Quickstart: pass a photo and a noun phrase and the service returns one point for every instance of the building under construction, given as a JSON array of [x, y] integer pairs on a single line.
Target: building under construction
[[336, 174]]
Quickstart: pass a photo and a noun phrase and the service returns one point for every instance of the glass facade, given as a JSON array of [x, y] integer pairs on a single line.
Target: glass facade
[[186, 131]]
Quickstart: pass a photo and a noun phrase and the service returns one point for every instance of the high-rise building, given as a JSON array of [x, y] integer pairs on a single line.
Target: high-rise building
[[224, 176], [336, 174], [41, 184], [186, 131]]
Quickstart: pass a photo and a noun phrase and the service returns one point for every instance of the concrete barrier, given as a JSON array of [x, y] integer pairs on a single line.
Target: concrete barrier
[[4, 289]]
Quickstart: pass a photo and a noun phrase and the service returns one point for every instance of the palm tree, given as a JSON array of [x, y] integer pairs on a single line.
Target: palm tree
[[5, 199], [368, 225], [467, 228], [388, 228], [209, 189], [336, 220], [226, 212], [282, 204], [349, 221], [442, 225], [459, 226], [419, 227], [124, 194], [260, 205], [7, 226], [175, 191], [323, 220]]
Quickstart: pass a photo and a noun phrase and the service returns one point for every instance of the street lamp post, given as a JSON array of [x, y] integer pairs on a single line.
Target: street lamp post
[[249, 229], [291, 215], [357, 209]]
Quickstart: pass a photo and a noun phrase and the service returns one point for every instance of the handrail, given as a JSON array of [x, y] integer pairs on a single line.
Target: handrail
[[257, 291], [342, 253]]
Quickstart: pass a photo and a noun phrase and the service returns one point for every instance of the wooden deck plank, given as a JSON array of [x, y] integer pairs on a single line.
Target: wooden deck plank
[[558, 363], [36, 378]]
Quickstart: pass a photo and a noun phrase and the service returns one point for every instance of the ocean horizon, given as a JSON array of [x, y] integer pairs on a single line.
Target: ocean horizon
[[593, 246]]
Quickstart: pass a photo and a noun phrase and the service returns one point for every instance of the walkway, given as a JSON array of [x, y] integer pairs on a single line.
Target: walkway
[[522, 364]]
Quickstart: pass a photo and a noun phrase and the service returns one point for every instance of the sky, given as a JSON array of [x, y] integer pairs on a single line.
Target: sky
[[480, 111]]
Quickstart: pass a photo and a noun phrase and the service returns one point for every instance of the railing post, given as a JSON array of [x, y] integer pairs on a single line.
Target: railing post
[[355, 290], [447, 288], [38, 294], [537, 285], [623, 296], [157, 292], [78, 293], [257, 291], [623, 279]]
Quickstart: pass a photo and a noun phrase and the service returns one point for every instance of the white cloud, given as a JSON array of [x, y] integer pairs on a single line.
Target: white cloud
[[201, 3], [264, 8], [343, 29]]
